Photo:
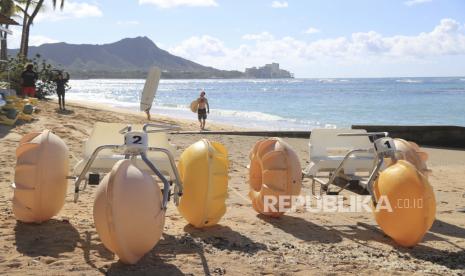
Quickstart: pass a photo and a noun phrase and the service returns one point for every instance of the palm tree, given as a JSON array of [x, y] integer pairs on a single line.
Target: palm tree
[[28, 19], [62, 5], [8, 8]]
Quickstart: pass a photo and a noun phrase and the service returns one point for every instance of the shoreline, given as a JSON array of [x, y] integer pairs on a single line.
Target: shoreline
[[141, 114], [442, 136], [215, 118]]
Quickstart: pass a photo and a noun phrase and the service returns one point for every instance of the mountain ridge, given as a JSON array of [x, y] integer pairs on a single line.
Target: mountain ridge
[[128, 57], [132, 58]]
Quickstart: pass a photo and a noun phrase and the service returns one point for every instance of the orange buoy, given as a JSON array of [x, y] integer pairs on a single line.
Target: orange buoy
[[274, 176], [40, 177], [128, 212], [406, 204]]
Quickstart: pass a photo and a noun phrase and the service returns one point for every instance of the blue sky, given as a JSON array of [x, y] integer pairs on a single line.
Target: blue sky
[[312, 38]]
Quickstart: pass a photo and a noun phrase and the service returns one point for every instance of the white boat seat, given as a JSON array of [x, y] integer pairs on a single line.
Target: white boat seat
[[327, 150], [108, 134]]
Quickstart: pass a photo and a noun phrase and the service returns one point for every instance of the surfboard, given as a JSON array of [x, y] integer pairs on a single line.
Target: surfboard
[[150, 88], [194, 106]]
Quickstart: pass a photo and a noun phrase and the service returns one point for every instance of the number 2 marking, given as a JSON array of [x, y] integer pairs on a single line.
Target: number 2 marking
[[137, 139]]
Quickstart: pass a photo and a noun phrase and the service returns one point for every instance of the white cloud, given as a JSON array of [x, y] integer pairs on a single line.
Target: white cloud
[[201, 46], [166, 4], [71, 10], [312, 30], [127, 22], [363, 48], [416, 2], [279, 5]]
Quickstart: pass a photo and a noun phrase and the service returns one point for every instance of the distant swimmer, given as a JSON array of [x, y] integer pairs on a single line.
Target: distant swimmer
[[203, 109]]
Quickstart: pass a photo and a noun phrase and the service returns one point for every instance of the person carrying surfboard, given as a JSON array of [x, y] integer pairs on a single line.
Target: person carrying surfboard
[[203, 109], [149, 91]]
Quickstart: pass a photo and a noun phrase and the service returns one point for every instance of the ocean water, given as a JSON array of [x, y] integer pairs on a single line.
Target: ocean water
[[294, 104]]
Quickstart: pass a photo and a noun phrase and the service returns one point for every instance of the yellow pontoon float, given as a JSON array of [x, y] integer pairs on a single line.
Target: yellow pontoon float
[[203, 168]]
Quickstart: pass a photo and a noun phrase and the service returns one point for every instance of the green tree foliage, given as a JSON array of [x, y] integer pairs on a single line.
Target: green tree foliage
[[10, 71], [8, 8]]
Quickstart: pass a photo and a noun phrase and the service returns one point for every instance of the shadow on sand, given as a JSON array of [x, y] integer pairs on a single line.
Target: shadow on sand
[[447, 229], [447, 258], [4, 130], [362, 233], [193, 242], [53, 238], [167, 248], [150, 264], [87, 246], [224, 238], [50, 238], [64, 112], [303, 229]]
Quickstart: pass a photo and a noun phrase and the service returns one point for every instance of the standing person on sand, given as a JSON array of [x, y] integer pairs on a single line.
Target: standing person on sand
[[202, 109], [28, 81], [61, 83], [147, 112]]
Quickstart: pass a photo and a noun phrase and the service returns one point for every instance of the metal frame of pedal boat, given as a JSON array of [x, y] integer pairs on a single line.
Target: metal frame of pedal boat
[[136, 144], [384, 147]]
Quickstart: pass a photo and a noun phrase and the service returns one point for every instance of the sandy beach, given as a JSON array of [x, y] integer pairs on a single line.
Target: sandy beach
[[243, 243]]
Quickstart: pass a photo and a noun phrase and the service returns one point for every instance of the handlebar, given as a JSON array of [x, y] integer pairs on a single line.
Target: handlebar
[[145, 128], [370, 134], [126, 129]]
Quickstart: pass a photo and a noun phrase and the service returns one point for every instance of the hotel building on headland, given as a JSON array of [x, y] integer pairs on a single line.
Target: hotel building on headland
[[268, 71]]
